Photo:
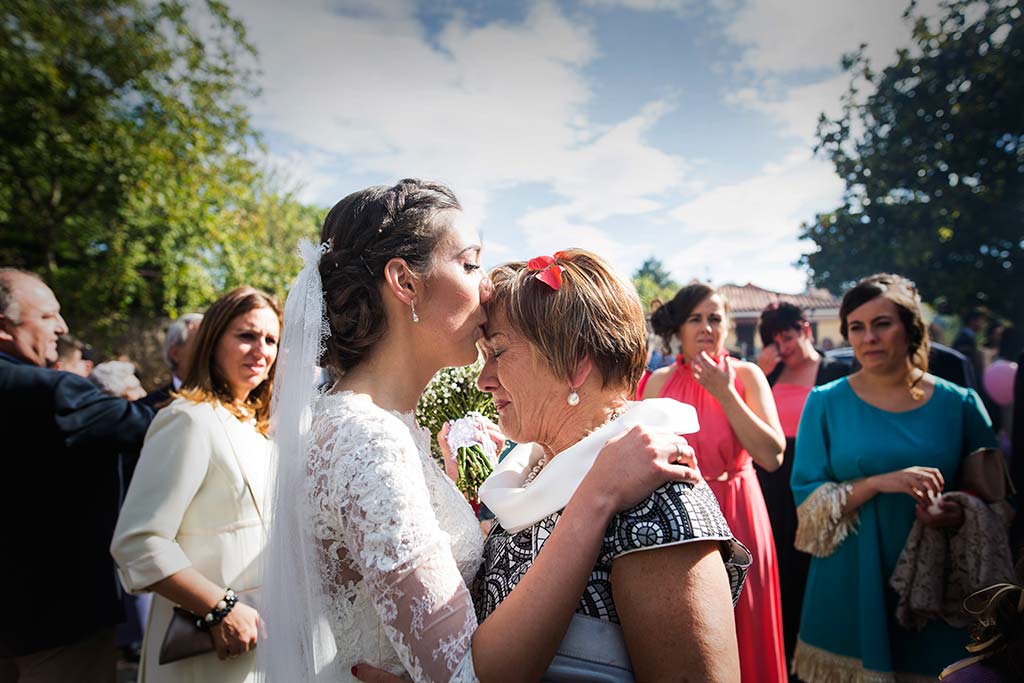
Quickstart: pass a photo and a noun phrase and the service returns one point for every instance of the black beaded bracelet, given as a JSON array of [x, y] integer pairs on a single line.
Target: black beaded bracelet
[[219, 611]]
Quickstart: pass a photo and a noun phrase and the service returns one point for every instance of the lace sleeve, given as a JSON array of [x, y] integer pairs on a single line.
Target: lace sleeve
[[371, 490]]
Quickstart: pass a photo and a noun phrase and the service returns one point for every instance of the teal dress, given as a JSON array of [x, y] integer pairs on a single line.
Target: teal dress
[[848, 630]]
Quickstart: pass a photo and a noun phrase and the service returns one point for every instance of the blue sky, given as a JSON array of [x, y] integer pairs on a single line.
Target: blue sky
[[681, 129]]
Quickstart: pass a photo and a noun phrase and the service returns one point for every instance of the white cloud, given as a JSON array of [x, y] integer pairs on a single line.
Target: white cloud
[[796, 110], [747, 231], [362, 91], [642, 5], [292, 168], [780, 36], [552, 229], [618, 173]]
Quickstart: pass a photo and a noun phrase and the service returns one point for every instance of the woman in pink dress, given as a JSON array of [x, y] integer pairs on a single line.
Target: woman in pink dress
[[739, 425], [793, 367]]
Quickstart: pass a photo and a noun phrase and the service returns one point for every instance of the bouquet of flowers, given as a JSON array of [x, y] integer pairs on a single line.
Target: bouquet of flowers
[[453, 397]]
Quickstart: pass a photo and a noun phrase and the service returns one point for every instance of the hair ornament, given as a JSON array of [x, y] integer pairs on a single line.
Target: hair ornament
[[547, 270]]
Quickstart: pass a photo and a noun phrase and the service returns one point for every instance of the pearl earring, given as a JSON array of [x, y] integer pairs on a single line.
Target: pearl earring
[[574, 398], [415, 318]]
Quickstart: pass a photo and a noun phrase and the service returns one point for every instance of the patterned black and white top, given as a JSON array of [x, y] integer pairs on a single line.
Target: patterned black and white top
[[674, 514]]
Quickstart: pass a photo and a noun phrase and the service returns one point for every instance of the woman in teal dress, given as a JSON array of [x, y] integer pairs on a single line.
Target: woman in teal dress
[[871, 448]]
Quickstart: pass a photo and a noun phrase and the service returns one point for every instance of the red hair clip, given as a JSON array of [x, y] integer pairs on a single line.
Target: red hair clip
[[548, 272]]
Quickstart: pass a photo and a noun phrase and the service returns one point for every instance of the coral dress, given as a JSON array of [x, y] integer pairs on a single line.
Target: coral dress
[[729, 470]]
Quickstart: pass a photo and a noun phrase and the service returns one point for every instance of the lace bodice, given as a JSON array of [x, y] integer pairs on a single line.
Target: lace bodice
[[398, 542]]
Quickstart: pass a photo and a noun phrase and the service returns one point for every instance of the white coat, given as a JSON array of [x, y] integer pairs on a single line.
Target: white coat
[[188, 505]]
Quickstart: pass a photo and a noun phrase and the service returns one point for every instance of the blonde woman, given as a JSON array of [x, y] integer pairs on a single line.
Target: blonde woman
[[191, 527]]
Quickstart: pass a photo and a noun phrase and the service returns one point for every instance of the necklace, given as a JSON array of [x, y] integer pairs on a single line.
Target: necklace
[[544, 458]]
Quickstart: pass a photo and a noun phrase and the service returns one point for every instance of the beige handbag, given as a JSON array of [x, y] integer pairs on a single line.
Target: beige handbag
[[183, 638]]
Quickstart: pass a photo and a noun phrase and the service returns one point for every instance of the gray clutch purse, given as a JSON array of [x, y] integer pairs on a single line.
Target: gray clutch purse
[[592, 651], [183, 639]]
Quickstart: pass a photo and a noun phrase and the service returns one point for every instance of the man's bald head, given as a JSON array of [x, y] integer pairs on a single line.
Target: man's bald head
[[30, 320]]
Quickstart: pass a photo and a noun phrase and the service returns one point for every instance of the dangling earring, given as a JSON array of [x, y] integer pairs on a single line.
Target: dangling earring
[[415, 318], [574, 398]]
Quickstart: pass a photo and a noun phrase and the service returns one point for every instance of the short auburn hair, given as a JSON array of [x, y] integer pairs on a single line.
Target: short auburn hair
[[205, 382], [596, 314]]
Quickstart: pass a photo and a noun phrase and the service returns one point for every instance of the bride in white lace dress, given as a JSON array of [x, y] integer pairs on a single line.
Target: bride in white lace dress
[[372, 546]]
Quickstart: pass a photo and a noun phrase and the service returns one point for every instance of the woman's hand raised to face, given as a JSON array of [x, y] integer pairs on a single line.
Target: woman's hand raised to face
[[633, 464], [489, 430], [768, 358], [717, 379]]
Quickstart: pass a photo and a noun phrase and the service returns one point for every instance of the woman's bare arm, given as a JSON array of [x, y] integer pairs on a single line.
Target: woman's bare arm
[[676, 610], [754, 417], [540, 607]]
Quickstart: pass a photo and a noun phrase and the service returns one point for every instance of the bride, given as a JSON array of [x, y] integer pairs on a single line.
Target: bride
[[372, 545]]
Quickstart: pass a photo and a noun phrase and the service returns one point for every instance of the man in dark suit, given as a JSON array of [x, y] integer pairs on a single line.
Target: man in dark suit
[[60, 592], [966, 340], [178, 343]]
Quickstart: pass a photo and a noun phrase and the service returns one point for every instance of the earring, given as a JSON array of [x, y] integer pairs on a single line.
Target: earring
[[574, 398], [415, 318]]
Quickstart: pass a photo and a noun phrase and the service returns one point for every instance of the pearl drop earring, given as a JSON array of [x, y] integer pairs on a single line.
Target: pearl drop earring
[[574, 398], [415, 318]]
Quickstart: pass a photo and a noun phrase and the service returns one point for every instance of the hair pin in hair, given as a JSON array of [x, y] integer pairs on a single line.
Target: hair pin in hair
[[548, 271]]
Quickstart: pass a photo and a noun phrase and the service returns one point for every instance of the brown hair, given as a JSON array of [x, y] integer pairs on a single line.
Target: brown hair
[[779, 316], [204, 382], [367, 229], [666, 320], [903, 294], [595, 314]]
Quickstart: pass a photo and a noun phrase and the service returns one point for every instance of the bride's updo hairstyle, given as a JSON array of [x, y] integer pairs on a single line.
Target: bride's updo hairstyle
[[365, 230]]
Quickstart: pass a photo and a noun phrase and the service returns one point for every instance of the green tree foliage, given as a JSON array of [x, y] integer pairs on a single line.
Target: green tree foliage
[[933, 161], [655, 271], [653, 281], [128, 165]]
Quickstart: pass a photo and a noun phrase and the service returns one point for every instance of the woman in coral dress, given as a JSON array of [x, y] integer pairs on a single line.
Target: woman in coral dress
[[738, 426]]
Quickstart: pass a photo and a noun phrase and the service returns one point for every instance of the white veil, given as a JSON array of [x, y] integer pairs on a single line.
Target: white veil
[[296, 643]]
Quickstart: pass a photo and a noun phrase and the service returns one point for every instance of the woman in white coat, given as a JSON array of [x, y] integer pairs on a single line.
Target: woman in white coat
[[191, 527]]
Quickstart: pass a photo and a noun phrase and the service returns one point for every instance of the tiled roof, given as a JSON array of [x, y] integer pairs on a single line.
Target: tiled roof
[[752, 299]]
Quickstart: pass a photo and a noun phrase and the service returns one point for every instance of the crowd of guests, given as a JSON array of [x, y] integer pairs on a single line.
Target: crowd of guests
[[834, 476]]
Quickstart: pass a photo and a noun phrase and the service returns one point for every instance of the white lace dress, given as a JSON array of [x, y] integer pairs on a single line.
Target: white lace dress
[[399, 543]]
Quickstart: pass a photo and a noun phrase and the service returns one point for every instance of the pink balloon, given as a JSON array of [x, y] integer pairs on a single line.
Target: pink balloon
[[998, 381]]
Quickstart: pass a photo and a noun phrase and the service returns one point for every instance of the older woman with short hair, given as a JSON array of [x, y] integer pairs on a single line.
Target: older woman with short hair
[[565, 348]]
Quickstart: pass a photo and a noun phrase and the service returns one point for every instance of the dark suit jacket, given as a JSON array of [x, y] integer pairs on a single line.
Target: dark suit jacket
[[59, 498], [158, 398]]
